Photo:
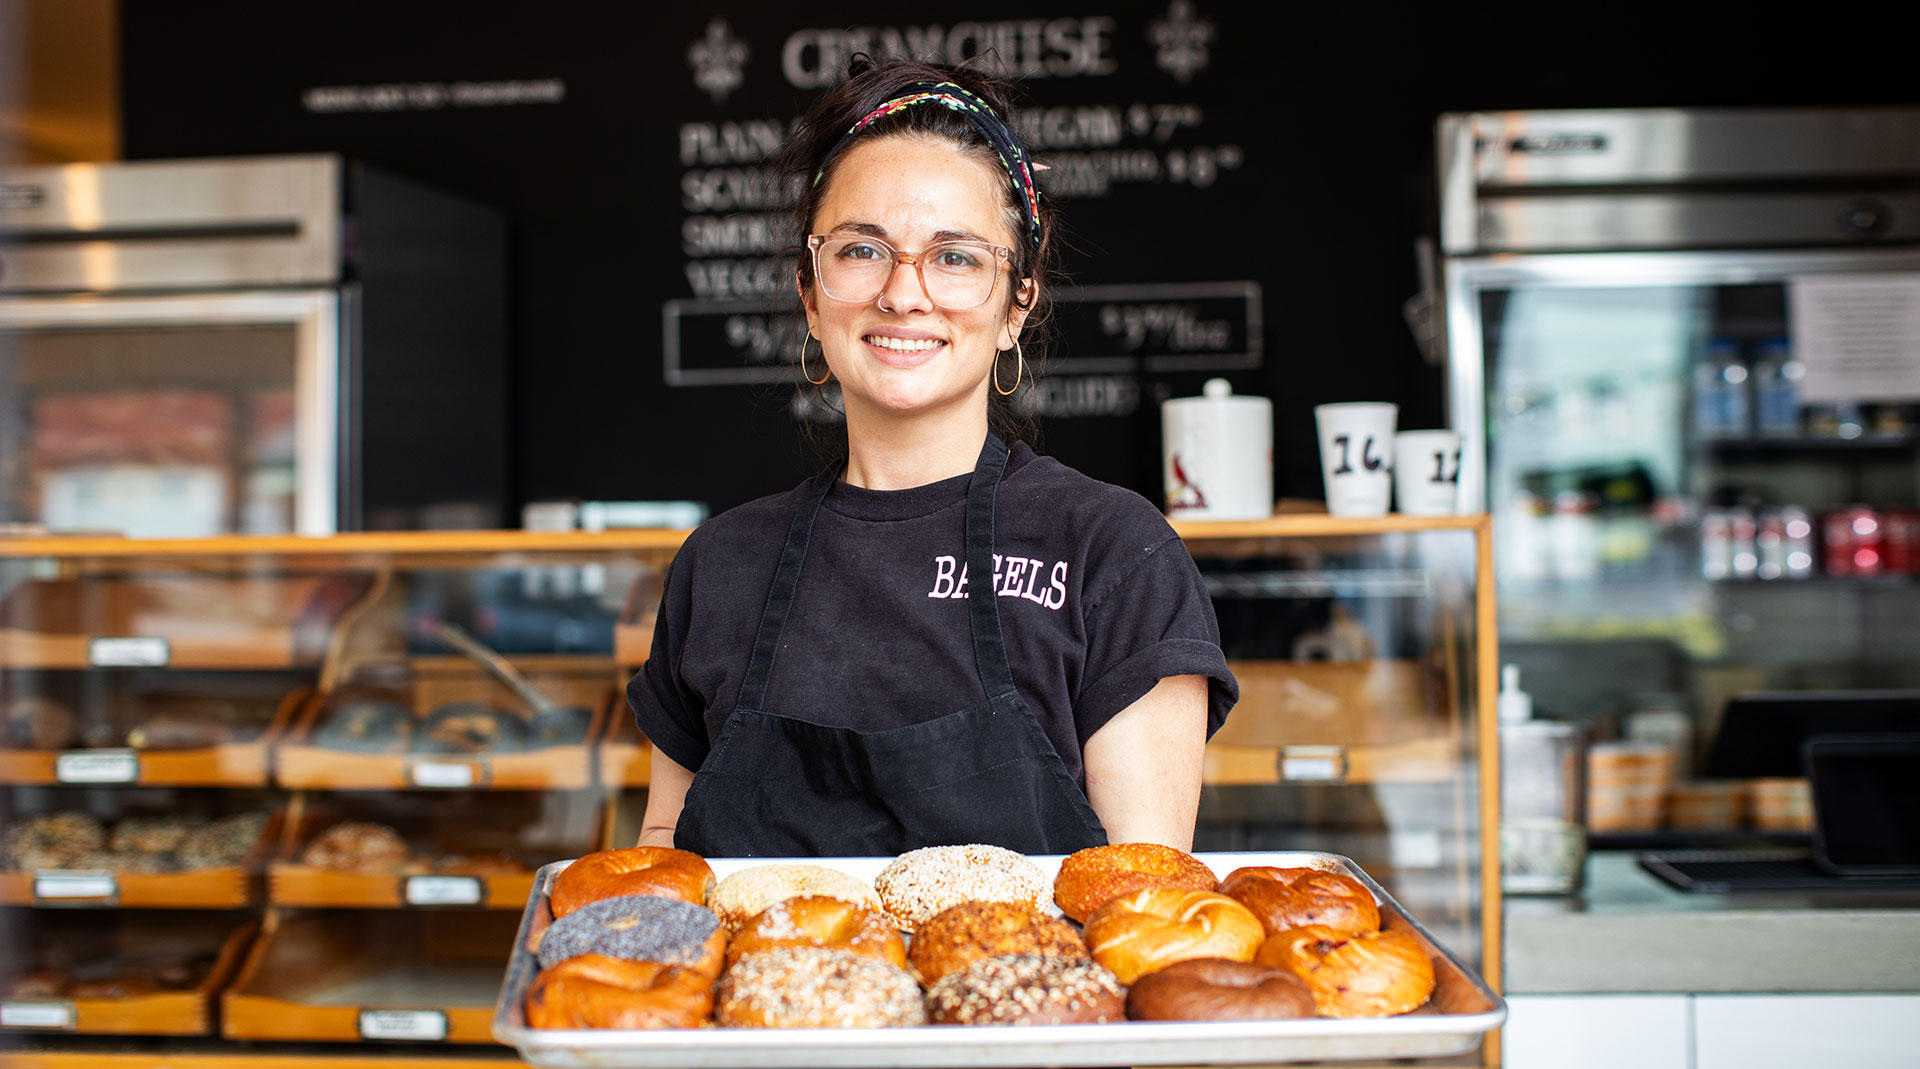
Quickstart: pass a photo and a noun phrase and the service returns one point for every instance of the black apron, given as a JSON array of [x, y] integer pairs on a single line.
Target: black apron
[[774, 786]]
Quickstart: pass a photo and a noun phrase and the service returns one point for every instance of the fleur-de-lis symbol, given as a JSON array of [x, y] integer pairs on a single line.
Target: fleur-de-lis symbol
[[1180, 41], [718, 61]]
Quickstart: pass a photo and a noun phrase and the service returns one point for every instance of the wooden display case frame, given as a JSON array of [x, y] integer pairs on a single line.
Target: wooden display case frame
[[224, 887], [233, 764], [258, 1004], [162, 1013]]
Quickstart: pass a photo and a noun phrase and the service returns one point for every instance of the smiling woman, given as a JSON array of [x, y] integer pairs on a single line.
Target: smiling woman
[[942, 639]]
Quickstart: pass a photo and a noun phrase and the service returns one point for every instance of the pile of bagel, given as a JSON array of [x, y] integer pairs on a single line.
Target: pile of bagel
[[647, 937]]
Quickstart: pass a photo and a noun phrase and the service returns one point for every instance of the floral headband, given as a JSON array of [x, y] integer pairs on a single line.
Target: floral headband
[[991, 127]]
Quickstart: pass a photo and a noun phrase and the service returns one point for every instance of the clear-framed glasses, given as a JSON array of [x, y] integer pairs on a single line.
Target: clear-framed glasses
[[957, 275]]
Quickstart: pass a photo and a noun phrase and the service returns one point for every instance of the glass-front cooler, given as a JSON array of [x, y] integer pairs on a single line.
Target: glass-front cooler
[[1684, 348]]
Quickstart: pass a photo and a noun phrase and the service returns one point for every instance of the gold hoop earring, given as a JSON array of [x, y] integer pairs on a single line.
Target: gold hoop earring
[[1019, 370], [822, 380]]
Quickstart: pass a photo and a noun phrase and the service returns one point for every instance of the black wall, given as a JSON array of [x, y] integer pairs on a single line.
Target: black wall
[[583, 120]]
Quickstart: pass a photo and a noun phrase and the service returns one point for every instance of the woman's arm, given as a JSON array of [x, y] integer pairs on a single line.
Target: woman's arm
[[1143, 766], [667, 786]]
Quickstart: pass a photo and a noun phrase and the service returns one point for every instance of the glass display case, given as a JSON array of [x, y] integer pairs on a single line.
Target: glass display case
[[286, 796]]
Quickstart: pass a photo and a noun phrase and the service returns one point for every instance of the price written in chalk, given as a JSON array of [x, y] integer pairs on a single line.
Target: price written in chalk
[[1164, 327], [1162, 121], [1203, 165]]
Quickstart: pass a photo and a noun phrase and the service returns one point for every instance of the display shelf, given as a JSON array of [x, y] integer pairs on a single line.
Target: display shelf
[[292, 884], [174, 620], [232, 764], [222, 887], [625, 757], [300, 761], [380, 976], [148, 1011]]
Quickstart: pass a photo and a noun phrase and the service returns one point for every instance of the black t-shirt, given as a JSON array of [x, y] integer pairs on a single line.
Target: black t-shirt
[[1099, 601]]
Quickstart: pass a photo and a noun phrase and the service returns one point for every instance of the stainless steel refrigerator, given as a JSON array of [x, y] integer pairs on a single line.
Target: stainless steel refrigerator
[[1685, 350]]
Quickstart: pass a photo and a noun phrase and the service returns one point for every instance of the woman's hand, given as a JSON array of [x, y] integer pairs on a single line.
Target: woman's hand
[[667, 786], [1143, 766]]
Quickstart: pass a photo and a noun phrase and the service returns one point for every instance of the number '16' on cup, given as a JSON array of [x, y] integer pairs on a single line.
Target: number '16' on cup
[[1356, 456]]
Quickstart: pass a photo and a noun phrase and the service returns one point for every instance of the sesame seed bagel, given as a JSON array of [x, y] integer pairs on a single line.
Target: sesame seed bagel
[[920, 883]]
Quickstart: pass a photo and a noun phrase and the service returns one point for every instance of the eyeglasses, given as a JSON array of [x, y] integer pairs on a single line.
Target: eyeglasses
[[957, 275]]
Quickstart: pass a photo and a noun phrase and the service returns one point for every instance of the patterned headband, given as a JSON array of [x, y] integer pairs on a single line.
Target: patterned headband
[[991, 127]]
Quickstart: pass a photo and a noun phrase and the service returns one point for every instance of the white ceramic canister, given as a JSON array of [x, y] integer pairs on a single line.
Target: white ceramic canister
[[1217, 455]]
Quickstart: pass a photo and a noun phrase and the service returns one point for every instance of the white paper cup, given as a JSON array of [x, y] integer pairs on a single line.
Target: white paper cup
[[1426, 472], [1356, 456]]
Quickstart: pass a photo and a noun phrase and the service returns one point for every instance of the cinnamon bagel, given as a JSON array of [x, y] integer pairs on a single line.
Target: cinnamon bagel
[[1285, 899]]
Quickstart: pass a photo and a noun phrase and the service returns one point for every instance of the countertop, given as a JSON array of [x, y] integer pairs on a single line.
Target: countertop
[[1632, 932]]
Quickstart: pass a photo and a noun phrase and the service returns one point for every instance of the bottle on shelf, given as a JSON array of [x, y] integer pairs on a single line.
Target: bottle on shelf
[[1721, 407], [1776, 390], [1783, 538], [1836, 419], [1543, 841], [1854, 541]]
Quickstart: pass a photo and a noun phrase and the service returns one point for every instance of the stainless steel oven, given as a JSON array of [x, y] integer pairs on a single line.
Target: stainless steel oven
[[262, 345]]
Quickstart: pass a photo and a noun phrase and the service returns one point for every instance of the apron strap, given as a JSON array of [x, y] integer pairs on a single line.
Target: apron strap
[[786, 578], [983, 601]]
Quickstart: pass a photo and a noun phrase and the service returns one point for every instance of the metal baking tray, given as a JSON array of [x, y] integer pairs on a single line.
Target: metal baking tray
[[1462, 1011]]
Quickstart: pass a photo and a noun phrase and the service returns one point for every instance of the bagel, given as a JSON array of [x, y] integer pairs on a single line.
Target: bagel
[[1285, 899], [819, 921], [596, 991], [1145, 931], [1215, 989], [1355, 974], [1090, 878], [636, 870]]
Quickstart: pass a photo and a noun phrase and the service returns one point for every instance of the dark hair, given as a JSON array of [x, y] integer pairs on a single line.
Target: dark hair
[[868, 85]]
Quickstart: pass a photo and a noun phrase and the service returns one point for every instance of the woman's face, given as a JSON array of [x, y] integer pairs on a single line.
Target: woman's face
[[900, 353]]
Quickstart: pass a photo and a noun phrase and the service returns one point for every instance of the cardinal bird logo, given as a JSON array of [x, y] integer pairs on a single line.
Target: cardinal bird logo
[[1182, 492]]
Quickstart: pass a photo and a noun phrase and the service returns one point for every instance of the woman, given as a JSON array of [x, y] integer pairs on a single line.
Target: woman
[[943, 640]]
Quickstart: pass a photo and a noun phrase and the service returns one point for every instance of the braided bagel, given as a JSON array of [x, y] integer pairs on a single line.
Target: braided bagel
[[1355, 974], [1140, 933]]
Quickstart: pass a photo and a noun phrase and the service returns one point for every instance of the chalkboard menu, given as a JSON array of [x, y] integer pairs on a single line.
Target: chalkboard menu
[[656, 322]]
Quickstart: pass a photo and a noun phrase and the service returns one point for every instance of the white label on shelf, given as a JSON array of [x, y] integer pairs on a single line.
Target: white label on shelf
[[443, 774], [445, 891], [36, 1015], [1313, 763], [61, 886], [97, 766], [429, 1026], [127, 652]]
